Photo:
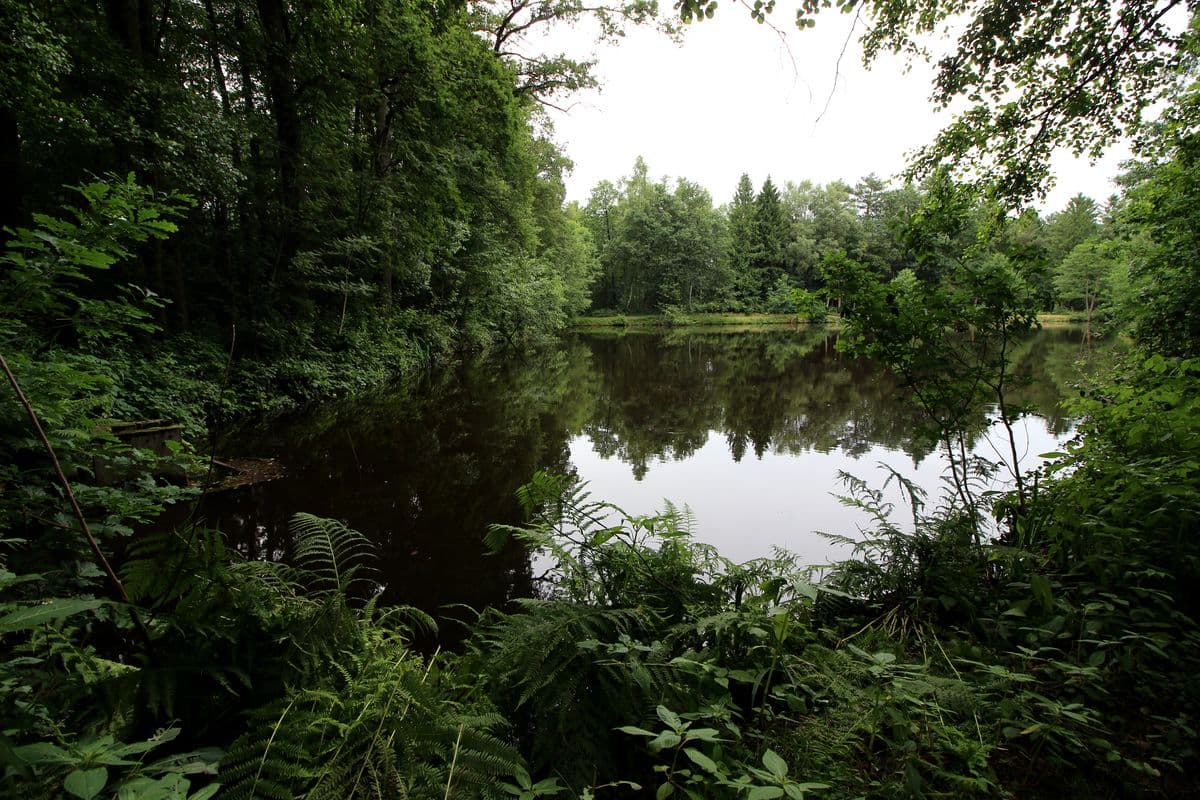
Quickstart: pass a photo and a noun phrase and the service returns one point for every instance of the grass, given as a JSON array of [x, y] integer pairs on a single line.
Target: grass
[[730, 320], [676, 320], [1049, 320]]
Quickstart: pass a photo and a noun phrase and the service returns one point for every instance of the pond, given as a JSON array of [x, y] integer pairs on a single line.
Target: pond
[[750, 430]]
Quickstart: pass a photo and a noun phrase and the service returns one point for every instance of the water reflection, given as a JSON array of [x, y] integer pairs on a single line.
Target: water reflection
[[749, 429], [790, 392], [421, 471]]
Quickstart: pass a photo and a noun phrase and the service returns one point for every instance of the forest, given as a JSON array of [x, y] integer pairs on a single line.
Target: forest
[[220, 210], [660, 248]]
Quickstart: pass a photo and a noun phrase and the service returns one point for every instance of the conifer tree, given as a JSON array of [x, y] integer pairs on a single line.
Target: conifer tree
[[743, 241], [773, 232]]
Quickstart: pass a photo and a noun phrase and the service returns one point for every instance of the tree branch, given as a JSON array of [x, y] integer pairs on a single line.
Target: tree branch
[[118, 587]]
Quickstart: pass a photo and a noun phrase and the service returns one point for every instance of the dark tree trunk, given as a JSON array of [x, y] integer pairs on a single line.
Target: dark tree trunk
[[285, 108], [180, 305], [11, 177], [247, 211], [214, 54], [244, 283], [132, 22]]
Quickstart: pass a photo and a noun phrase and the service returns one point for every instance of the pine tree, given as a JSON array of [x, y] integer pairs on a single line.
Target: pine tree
[[773, 231], [743, 242]]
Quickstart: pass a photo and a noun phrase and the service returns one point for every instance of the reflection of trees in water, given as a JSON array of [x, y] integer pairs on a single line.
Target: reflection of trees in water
[[1054, 364], [422, 471], [788, 391], [659, 397]]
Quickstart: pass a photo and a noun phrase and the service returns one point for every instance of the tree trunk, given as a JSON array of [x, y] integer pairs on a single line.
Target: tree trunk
[[247, 211], [214, 55], [285, 108], [12, 197], [132, 22]]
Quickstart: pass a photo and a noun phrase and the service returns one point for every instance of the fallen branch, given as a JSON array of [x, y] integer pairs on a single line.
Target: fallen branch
[[66, 485]]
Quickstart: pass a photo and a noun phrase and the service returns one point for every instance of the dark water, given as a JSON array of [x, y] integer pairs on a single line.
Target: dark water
[[748, 429]]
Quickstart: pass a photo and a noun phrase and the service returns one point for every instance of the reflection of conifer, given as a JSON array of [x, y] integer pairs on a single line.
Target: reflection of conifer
[[788, 392]]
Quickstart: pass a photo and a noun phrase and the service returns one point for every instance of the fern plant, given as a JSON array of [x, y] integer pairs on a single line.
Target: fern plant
[[362, 715], [376, 722], [330, 559]]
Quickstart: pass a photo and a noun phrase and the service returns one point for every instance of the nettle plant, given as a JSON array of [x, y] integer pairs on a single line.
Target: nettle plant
[[686, 769]]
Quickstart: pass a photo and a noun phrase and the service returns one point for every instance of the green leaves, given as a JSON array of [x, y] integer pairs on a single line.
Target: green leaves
[[526, 789], [775, 765], [1040, 586], [658, 249], [86, 783], [669, 718], [42, 753], [774, 780], [48, 611], [102, 766], [50, 267], [699, 759]]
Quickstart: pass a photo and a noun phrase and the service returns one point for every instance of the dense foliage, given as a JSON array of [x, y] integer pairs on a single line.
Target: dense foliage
[[320, 195], [670, 250], [359, 186]]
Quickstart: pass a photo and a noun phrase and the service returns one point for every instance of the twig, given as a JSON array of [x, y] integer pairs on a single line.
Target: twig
[[787, 47], [66, 485], [454, 762], [837, 67], [50, 522]]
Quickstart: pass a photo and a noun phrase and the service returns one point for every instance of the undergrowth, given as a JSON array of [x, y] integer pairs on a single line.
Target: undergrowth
[[1048, 662], [1057, 658]]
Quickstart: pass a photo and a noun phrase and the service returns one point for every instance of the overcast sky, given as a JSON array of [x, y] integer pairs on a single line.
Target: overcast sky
[[728, 100]]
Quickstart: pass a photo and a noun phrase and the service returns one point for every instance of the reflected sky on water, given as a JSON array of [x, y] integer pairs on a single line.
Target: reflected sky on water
[[749, 430]]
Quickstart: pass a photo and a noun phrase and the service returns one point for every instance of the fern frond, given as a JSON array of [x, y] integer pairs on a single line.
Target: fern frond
[[329, 554], [271, 760], [174, 567]]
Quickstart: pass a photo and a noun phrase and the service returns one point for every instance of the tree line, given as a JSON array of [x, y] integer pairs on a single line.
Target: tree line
[[379, 171], [663, 244]]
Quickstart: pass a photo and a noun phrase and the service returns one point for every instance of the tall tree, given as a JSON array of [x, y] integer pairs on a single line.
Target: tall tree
[[773, 233], [1082, 279], [600, 216], [825, 223], [1075, 224], [1161, 217], [696, 270], [658, 247], [1024, 243], [344, 158], [743, 242], [643, 241], [882, 212], [283, 95], [564, 243]]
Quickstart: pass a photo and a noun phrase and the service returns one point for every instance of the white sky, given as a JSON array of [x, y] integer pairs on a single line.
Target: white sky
[[728, 100]]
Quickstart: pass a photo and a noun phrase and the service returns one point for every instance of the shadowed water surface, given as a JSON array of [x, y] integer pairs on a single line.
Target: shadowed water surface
[[750, 430]]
